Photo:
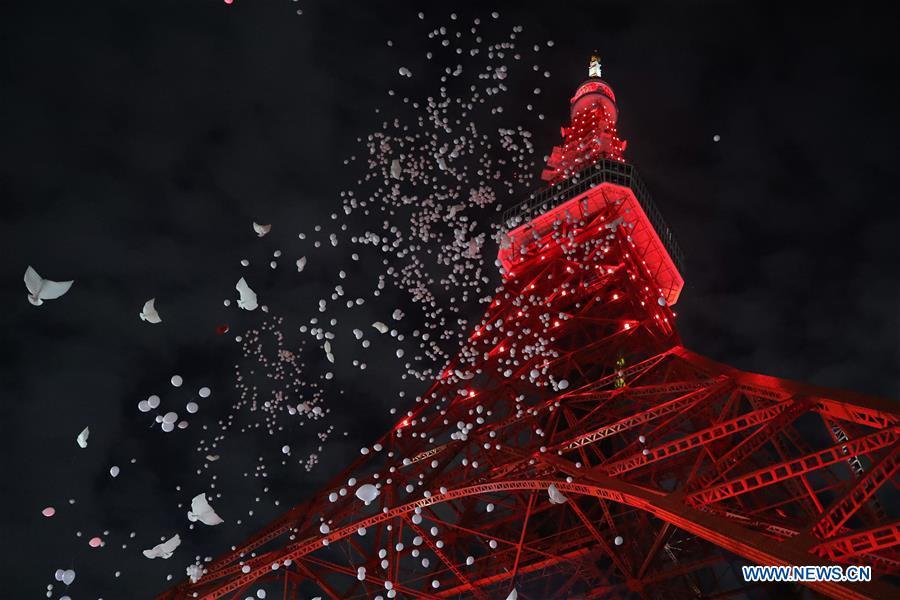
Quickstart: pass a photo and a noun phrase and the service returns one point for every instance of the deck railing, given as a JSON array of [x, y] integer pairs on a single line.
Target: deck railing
[[605, 170]]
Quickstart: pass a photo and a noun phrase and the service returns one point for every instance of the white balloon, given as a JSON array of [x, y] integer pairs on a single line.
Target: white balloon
[[367, 492]]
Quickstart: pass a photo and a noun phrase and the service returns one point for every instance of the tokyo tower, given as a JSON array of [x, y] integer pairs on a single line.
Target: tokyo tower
[[576, 449]]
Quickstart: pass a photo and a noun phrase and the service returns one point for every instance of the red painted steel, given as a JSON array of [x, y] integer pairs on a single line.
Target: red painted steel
[[674, 469]]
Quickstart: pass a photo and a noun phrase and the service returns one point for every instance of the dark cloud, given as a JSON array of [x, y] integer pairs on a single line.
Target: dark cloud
[[140, 139]]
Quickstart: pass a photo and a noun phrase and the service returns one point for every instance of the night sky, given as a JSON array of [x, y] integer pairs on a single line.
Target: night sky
[[139, 140]]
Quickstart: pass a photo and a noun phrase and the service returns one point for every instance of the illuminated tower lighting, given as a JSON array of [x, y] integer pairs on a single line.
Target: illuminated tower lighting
[[585, 452]]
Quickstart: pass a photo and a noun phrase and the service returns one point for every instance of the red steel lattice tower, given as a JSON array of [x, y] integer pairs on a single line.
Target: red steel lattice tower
[[575, 449]]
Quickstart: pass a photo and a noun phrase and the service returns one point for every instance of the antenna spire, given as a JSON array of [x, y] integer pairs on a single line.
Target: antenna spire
[[594, 67]]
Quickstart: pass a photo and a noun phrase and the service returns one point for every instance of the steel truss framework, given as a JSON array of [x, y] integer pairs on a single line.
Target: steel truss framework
[[674, 470], [692, 466]]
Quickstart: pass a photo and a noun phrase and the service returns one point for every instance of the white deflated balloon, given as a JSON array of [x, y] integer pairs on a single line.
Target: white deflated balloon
[[367, 492]]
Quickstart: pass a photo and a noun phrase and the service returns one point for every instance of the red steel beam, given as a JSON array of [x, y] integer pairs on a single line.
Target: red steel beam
[[773, 474], [864, 488]]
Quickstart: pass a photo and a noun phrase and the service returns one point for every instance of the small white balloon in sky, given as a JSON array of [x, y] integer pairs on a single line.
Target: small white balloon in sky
[[381, 327], [405, 72], [285, 449], [261, 230], [68, 576], [367, 493], [301, 264], [153, 401], [619, 540], [144, 406], [192, 407], [43, 289], [149, 312], [717, 137], [114, 471], [177, 380], [204, 392]]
